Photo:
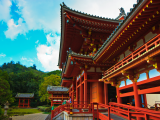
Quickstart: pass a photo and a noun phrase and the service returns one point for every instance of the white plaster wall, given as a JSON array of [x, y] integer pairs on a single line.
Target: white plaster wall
[[121, 57], [127, 52], [151, 98], [149, 36], [139, 43], [92, 69], [98, 70]]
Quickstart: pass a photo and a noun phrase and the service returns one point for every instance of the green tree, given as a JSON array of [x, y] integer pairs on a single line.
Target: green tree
[[5, 93], [53, 80]]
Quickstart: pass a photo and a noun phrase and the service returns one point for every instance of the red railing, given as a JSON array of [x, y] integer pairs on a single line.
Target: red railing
[[125, 111], [122, 110], [137, 53], [68, 107]]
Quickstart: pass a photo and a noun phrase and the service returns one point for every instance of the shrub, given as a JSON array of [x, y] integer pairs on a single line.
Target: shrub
[[48, 109]]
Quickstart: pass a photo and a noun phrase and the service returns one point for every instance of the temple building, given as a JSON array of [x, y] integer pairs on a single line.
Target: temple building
[[24, 99], [112, 62]]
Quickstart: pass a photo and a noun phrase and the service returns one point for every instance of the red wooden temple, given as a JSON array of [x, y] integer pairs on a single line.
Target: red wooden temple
[[24, 99], [58, 94], [112, 62]]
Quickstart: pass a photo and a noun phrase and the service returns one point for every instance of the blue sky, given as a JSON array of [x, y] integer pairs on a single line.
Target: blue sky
[[30, 29]]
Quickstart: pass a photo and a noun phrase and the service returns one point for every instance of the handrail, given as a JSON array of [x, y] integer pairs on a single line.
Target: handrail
[[141, 50], [125, 111]]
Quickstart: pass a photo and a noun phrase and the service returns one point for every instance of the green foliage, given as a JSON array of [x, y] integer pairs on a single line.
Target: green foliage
[[53, 80], [5, 93], [2, 117], [19, 111], [44, 109], [21, 79], [56, 72]]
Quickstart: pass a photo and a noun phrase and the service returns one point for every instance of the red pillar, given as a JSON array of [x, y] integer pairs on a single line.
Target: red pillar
[[85, 89], [105, 93], [23, 102], [77, 99], [28, 102], [145, 99], [73, 91], [136, 97], [19, 102], [119, 100], [81, 93]]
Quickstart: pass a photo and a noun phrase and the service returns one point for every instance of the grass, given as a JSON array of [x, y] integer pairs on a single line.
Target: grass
[[20, 111]]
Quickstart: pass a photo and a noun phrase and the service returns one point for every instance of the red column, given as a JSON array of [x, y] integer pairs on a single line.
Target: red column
[[73, 91], [77, 99], [136, 96], [105, 93], [52, 101], [28, 102], [145, 99], [85, 89], [81, 93], [119, 100], [19, 102], [23, 102]]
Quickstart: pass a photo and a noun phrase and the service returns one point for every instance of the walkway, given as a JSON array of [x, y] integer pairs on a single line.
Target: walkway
[[36, 116]]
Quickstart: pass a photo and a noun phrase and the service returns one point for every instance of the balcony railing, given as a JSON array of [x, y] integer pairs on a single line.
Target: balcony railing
[[150, 45]]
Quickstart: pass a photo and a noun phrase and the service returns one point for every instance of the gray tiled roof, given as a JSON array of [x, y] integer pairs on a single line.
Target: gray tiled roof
[[135, 6], [24, 95], [57, 88]]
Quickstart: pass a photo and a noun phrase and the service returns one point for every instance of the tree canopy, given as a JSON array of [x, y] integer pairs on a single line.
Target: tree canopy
[[53, 80], [5, 92], [16, 78]]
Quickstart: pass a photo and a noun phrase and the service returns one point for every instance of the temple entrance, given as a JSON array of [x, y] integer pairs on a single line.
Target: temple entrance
[[112, 93]]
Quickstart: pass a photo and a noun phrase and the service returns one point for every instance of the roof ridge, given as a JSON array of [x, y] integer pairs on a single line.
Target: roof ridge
[[65, 6]]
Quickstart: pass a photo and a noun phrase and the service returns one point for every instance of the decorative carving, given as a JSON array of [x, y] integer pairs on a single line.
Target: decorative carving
[[131, 75], [155, 62]]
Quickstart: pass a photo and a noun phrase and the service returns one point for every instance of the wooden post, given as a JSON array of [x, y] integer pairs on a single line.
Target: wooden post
[[81, 93], [105, 93], [145, 99], [85, 89], [119, 100], [77, 99], [28, 102], [136, 97], [73, 91], [23, 102], [19, 102]]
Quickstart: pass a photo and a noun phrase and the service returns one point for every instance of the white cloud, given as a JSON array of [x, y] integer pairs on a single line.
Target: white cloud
[[5, 10], [45, 16], [14, 30], [2, 55], [48, 54], [26, 59], [37, 41], [104, 8]]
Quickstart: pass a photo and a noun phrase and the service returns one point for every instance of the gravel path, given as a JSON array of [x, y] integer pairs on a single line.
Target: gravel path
[[37, 116]]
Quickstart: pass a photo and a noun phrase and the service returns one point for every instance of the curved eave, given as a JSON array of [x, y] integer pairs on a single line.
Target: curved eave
[[66, 82], [119, 30], [86, 16]]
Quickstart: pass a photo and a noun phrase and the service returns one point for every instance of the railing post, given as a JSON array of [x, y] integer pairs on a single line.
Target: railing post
[[146, 47], [146, 117], [129, 115], [93, 110], [109, 117], [97, 112]]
